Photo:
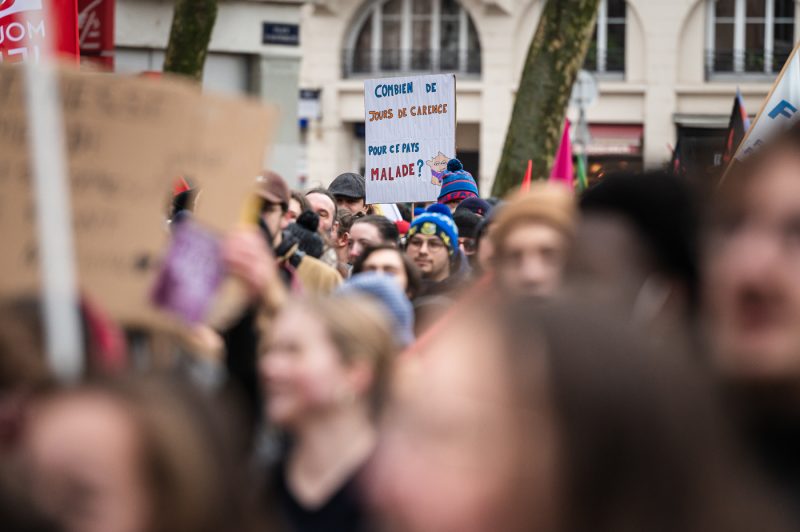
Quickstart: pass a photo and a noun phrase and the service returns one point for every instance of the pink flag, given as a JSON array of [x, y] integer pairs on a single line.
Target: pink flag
[[563, 171]]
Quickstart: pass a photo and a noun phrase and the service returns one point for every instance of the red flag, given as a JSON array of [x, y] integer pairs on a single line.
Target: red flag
[[563, 170], [526, 181], [96, 31], [31, 28]]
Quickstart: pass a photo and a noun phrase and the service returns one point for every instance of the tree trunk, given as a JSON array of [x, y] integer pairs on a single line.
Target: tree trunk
[[554, 58], [192, 23]]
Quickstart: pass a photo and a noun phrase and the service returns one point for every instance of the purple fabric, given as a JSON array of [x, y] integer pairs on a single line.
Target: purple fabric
[[191, 273]]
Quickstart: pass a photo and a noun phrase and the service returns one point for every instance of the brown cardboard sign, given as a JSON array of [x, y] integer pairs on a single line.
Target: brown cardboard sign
[[127, 139]]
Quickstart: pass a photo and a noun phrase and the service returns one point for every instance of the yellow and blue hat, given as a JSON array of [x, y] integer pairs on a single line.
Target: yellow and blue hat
[[434, 222]]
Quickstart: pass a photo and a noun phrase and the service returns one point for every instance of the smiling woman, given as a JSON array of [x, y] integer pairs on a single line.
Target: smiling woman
[[324, 376]]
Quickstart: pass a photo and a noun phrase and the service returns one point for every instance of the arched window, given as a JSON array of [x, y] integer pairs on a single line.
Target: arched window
[[748, 36], [606, 52], [402, 36]]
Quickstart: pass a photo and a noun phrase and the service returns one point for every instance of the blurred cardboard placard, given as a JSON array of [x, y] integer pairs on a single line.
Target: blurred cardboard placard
[[127, 139]]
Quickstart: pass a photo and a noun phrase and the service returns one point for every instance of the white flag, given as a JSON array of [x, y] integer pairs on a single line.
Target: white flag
[[780, 109]]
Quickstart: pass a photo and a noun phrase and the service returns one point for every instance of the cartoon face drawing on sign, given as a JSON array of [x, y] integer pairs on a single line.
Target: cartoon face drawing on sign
[[438, 167]]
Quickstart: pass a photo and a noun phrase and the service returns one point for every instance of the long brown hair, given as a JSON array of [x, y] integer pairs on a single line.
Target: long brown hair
[[193, 477], [643, 446]]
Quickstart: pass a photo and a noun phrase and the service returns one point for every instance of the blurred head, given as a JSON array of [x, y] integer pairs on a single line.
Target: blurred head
[[344, 221], [137, 456], [484, 248], [636, 240], [275, 195], [370, 231], [751, 275], [325, 355], [324, 204], [386, 291], [467, 223], [297, 206], [478, 206], [531, 236], [389, 260], [509, 420]]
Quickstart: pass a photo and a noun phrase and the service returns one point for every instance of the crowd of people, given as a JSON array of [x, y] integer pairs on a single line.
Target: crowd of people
[[624, 359]]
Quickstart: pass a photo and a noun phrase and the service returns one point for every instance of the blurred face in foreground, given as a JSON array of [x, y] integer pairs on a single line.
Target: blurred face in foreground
[[531, 259], [85, 459], [457, 452], [608, 255], [302, 370], [389, 262], [430, 255], [752, 275]]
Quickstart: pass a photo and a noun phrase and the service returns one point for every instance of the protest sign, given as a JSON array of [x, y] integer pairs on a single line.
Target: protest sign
[[31, 28], [410, 126], [779, 110], [127, 139]]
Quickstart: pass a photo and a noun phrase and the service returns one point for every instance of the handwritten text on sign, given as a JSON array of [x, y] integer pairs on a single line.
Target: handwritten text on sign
[[127, 139], [410, 126]]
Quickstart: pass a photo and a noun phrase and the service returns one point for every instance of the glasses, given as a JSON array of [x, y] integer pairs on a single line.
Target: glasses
[[434, 244]]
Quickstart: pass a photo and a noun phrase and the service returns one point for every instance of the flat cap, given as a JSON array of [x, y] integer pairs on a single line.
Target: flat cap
[[349, 185]]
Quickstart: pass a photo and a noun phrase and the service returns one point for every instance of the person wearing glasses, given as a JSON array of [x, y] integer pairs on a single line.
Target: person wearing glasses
[[432, 245]]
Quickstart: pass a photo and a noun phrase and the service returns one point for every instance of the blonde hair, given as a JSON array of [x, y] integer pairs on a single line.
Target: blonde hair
[[548, 203], [361, 331]]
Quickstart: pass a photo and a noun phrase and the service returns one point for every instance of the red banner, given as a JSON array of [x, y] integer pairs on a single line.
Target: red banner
[[96, 31], [31, 28]]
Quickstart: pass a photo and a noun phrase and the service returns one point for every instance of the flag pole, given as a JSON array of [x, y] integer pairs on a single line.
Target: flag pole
[[760, 112], [48, 159], [526, 181]]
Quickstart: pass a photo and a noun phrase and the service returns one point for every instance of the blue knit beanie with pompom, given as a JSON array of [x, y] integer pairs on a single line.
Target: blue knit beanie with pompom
[[457, 183]]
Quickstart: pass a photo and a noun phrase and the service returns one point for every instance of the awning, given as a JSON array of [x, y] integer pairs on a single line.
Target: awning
[[615, 139]]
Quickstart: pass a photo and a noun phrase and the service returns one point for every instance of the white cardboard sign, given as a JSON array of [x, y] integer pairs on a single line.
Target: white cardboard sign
[[410, 126]]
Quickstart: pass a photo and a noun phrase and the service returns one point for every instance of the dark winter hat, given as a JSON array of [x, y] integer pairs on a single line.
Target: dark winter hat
[[467, 223], [304, 232], [436, 224], [457, 183], [349, 185], [387, 291], [661, 209], [476, 205]]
